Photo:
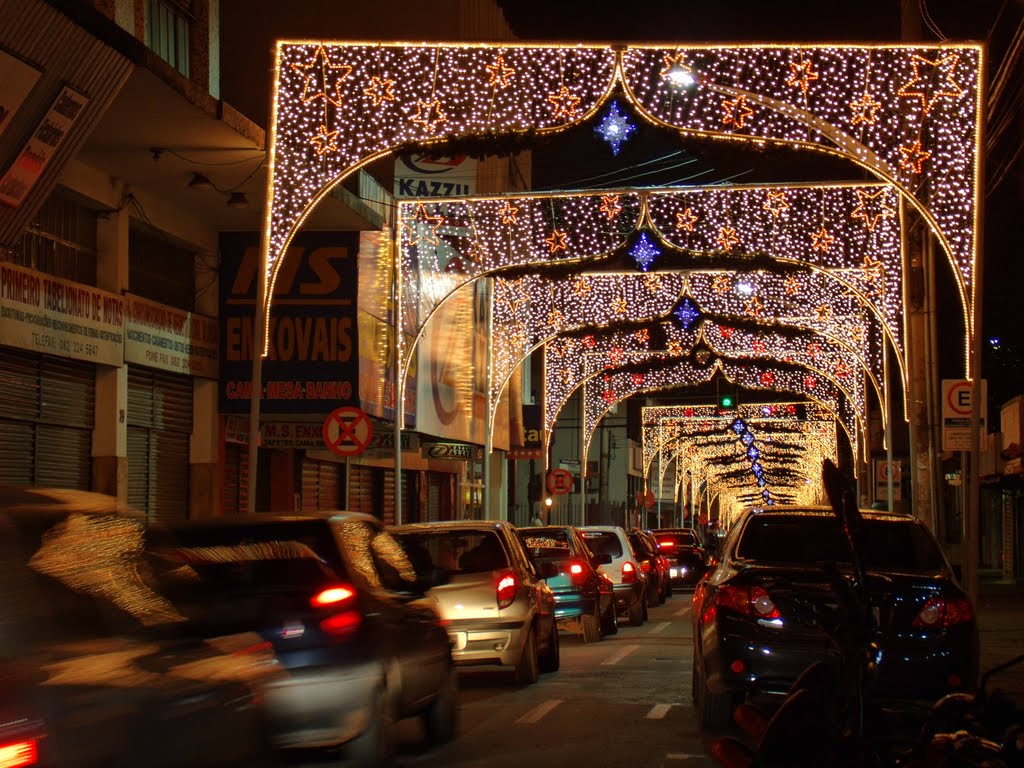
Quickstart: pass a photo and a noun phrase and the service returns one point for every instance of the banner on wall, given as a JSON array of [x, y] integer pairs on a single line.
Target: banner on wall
[[426, 175], [42, 313], [313, 362], [170, 339]]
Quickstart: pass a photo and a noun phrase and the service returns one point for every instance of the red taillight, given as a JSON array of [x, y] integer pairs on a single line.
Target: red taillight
[[345, 616], [645, 566], [666, 544], [628, 573], [19, 753], [577, 573], [944, 612], [747, 601], [506, 590]]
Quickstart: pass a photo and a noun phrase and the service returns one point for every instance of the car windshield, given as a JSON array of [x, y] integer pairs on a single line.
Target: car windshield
[[889, 543], [454, 551], [603, 543]]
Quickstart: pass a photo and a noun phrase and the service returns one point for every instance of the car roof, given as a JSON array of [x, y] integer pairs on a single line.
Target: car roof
[[455, 525], [229, 521], [820, 510]]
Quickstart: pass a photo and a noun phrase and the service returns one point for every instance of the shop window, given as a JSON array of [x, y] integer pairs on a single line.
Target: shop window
[[167, 32], [160, 270], [60, 240]]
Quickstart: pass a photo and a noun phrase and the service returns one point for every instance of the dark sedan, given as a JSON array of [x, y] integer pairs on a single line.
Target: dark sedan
[[584, 598], [685, 552], [753, 632]]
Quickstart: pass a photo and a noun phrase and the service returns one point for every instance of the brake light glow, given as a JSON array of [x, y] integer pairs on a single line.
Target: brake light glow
[[754, 602], [628, 573], [666, 544], [19, 753], [331, 596], [506, 590], [577, 573], [645, 566], [944, 612], [342, 624], [575, 569]]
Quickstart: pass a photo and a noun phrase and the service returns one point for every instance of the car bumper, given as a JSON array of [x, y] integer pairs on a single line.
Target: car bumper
[[321, 707], [475, 643], [627, 594], [572, 605]]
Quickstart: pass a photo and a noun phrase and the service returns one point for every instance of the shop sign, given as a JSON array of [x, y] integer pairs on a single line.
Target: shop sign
[[42, 313], [383, 441], [28, 166], [170, 339], [292, 434], [452, 451], [16, 81], [425, 175]]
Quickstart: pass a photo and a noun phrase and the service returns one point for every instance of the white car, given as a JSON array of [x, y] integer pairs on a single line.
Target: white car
[[629, 582]]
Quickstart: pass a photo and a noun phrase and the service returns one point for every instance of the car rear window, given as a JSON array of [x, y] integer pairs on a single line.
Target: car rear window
[[548, 543], [670, 540], [454, 551], [896, 544], [603, 543]]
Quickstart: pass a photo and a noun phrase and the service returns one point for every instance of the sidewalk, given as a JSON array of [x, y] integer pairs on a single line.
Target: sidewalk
[[1000, 609]]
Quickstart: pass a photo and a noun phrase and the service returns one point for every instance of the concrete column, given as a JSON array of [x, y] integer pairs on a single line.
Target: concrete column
[[204, 445], [110, 431]]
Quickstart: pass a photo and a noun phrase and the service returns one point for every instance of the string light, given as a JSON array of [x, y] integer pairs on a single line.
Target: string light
[[321, 130]]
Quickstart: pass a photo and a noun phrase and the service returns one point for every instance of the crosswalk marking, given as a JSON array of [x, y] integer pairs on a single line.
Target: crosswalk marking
[[539, 711], [617, 657], [681, 612], [659, 627], [658, 711]]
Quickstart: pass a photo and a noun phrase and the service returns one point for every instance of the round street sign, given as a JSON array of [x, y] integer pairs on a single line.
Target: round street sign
[[647, 499], [559, 481], [347, 431]]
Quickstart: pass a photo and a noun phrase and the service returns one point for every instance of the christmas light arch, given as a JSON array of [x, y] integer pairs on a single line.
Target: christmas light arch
[[908, 113]]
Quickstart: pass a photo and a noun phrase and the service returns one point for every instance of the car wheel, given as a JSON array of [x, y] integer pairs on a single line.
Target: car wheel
[[374, 748], [714, 710], [610, 622], [527, 668], [552, 658], [440, 719], [591, 628], [661, 592], [637, 609]]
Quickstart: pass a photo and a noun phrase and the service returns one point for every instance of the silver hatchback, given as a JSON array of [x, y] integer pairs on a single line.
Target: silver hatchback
[[495, 603]]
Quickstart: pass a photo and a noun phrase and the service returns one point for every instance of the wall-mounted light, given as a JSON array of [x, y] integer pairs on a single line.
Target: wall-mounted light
[[238, 200]]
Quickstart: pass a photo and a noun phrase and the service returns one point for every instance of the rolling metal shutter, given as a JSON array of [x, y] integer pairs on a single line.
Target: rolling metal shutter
[[159, 428], [321, 484], [360, 492], [235, 491], [47, 414]]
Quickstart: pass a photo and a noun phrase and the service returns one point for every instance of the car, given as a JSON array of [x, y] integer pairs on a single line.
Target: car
[[496, 606], [584, 597], [754, 632], [97, 663], [344, 612], [652, 565], [685, 552], [629, 583]]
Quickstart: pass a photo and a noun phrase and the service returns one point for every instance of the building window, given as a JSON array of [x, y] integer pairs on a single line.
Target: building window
[[167, 32], [159, 270], [60, 240]]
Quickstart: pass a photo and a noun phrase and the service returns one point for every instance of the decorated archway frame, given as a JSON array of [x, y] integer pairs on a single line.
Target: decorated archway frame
[[661, 422], [775, 451], [533, 310], [570, 361], [850, 231], [601, 393], [909, 114]]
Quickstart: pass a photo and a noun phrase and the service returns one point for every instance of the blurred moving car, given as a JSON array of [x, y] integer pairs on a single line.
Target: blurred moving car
[[652, 564], [629, 583], [584, 598], [97, 665], [495, 603], [757, 613], [344, 612], [686, 554]]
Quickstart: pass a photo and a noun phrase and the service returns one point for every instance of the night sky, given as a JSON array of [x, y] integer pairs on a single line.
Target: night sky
[[577, 160]]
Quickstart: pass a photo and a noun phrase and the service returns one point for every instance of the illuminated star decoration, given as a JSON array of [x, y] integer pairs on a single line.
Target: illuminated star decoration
[[500, 74], [644, 252], [913, 156], [792, 286], [611, 206], [379, 90], [801, 74], [565, 103], [615, 127], [776, 203], [321, 88], [917, 87], [557, 241], [822, 240], [864, 109], [429, 114], [871, 208], [414, 227], [686, 219], [735, 111], [675, 71], [508, 213], [727, 238], [687, 314], [325, 141]]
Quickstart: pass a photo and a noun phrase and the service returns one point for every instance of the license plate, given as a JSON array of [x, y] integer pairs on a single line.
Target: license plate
[[458, 640], [673, 572]]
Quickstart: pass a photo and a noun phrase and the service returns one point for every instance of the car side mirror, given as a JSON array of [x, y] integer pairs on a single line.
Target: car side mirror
[[548, 570], [602, 559]]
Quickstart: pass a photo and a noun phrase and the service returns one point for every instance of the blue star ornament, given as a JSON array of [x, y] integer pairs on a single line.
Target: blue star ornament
[[644, 252], [687, 314], [615, 127]]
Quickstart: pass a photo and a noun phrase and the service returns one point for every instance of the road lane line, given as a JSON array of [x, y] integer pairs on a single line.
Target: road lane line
[[617, 657], [658, 711], [539, 711], [659, 627], [683, 756], [682, 612]]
